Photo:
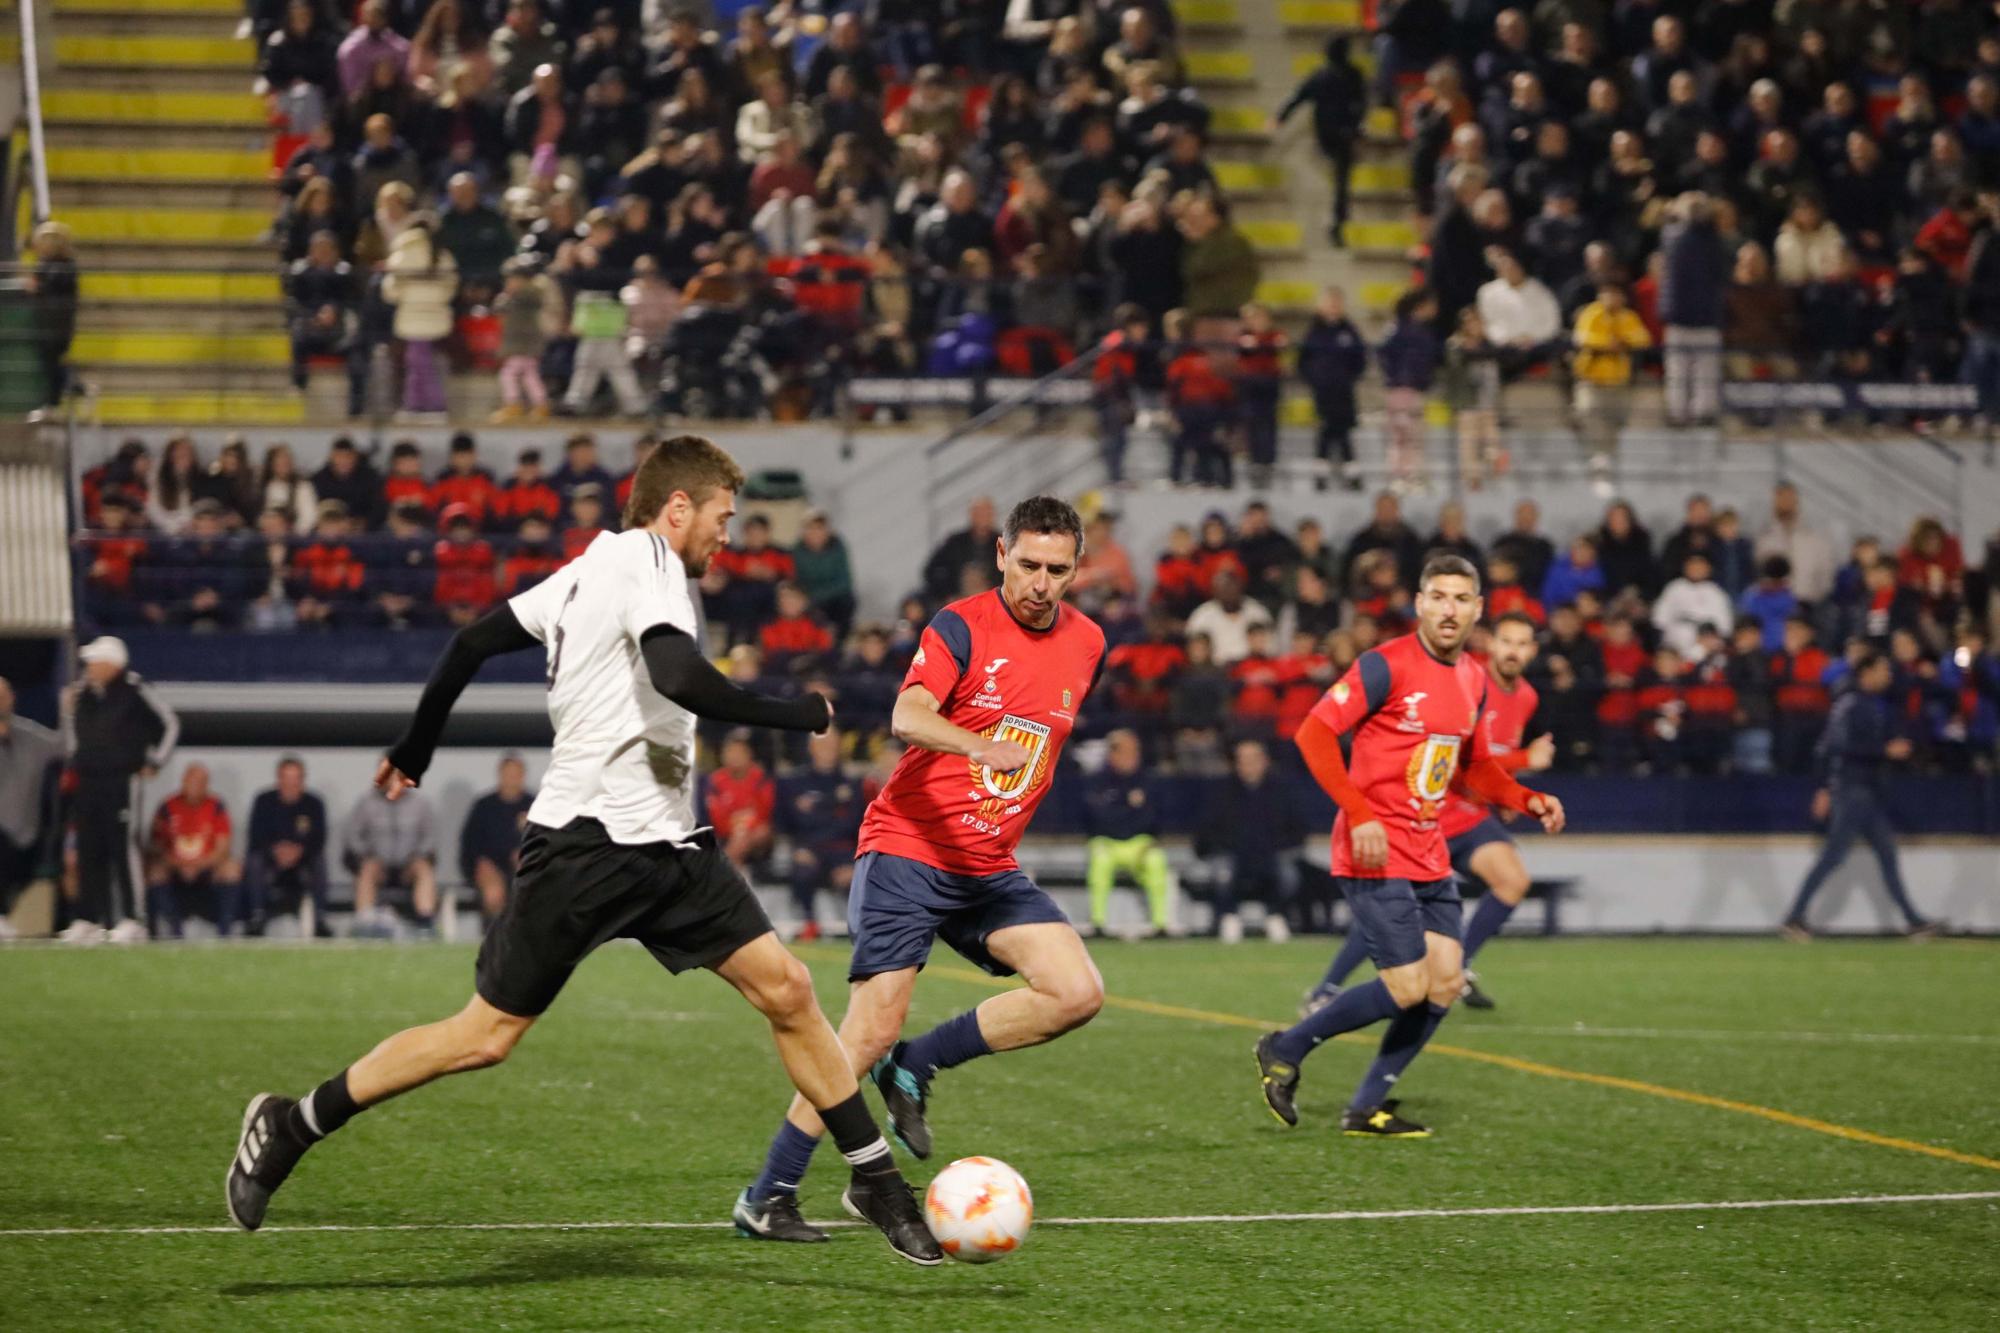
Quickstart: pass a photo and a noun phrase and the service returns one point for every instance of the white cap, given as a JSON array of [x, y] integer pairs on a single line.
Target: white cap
[[106, 648]]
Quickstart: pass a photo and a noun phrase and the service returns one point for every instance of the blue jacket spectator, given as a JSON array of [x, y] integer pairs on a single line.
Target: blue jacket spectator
[[1771, 602], [285, 850], [1698, 266]]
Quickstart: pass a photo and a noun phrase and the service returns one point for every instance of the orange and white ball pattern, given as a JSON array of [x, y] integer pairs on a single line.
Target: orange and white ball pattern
[[979, 1209]]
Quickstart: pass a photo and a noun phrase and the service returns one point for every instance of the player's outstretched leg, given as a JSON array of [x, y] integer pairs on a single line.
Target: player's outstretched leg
[[1064, 992], [821, 1069], [277, 1130], [1499, 865], [1372, 1113], [875, 1012], [1353, 951]]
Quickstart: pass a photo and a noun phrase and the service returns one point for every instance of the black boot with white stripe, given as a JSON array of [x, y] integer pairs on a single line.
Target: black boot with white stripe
[[265, 1155]]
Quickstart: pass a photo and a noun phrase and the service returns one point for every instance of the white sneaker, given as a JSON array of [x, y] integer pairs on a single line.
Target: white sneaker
[[82, 932], [1276, 929], [1230, 929], [128, 931]]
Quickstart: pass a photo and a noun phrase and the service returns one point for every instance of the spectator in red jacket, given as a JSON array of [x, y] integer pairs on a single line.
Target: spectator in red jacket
[[464, 483], [1142, 673], [795, 632], [1177, 583], [527, 492], [1217, 555], [1202, 400], [464, 586], [1617, 708], [1504, 592], [406, 477], [743, 579], [326, 575], [586, 519], [1946, 239], [642, 449], [1259, 678], [193, 873], [1308, 673], [1801, 697], [741, 798], [109, 555], [1932, 565], [535, 556]]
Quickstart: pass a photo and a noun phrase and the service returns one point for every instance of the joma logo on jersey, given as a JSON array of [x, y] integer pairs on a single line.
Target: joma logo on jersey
[[1431, 767], [1030, 736], [1411, 721]]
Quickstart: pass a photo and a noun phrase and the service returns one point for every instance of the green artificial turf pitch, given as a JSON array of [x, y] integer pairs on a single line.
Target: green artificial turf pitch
[[641, 1098]]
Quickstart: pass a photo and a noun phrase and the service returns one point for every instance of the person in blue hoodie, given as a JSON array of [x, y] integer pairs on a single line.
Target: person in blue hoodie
[[1332, 359], [1575, 570], [1853, 755], [1770, 601], [1409, 360]]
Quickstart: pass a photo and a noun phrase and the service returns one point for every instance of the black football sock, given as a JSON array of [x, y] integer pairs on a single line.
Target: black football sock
[[323, 1110], [859, 1139]]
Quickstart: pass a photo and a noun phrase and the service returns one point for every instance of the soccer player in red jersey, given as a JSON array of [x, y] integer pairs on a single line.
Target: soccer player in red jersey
[[1478, 844], [988, 701], [1411, 709]]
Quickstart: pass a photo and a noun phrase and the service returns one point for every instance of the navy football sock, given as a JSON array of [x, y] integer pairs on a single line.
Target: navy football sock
[[785, 1164], [1487, 918], [1400, 1044], [1353, 950], [950, 1043], [1355, 1007]]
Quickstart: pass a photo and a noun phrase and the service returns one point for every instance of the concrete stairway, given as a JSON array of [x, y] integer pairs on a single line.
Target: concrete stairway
[[159, 159]]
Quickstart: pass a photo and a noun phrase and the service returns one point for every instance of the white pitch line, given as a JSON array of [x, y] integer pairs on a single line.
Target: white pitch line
[[1189, 1219], [1735, 1034]]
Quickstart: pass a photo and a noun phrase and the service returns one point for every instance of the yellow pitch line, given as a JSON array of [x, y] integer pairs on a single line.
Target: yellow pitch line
[[1770, 1113]]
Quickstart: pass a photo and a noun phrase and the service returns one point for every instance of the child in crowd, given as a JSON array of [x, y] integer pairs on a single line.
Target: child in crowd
[[1259, 372], [523, 307], [1472, 391]]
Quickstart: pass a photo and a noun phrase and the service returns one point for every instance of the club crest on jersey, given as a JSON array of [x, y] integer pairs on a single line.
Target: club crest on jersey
[[1429, 775], [1030, 736]]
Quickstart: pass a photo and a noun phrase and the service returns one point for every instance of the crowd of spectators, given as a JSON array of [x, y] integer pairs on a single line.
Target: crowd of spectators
[[1717, 647], [1790, 189], [729, 222]]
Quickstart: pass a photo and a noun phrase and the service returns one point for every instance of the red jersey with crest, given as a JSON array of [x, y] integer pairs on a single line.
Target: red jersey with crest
[[191, 830], [1413, 722], [993, 675], [1508, 713]]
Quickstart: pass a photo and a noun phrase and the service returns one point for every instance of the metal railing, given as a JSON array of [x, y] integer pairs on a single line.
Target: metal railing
[[31, 88]]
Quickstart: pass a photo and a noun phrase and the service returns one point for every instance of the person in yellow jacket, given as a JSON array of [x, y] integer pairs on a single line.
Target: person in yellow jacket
[[1608, 331]]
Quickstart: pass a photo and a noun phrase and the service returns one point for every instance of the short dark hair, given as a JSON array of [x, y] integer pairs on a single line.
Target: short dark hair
[[1044, 513], [1446, 565], [1869, 660], [689, 463], [1516, 618]]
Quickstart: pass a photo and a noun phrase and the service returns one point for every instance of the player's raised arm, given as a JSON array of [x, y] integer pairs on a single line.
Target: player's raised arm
[[680, 673], [917, 721], [498, 631]]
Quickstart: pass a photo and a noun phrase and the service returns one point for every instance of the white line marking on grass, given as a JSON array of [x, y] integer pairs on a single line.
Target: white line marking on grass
[[1189, 1219], [1734, 1034]]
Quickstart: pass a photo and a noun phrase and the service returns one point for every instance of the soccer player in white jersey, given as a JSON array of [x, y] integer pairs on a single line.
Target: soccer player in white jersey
[[612, 849]]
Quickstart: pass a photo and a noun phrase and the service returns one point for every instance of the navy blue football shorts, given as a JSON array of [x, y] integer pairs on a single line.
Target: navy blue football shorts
[[1395, 914], [897, 907], [1461, 848]]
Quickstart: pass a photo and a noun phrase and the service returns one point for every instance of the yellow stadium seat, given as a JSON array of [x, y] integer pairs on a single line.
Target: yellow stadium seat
[[192, 287], [171, 347], [1220, 67], [158, 164], [1273, 236], [137, 107], [153, 51], [183, 226], [222, 409]]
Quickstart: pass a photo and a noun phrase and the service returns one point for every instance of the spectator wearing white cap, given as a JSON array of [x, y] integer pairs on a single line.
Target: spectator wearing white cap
[[118, 731]]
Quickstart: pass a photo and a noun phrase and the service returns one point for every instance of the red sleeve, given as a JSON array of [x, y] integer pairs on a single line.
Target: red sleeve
[[1487, 779], [1319, 745], [765, 799]]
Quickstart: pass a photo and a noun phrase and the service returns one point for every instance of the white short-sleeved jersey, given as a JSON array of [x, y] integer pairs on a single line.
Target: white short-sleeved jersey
[[624, 755]]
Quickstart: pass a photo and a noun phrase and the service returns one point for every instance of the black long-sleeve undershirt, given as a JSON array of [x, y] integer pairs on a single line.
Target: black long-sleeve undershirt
[[498, 631], [674, 664], [680, 673]]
